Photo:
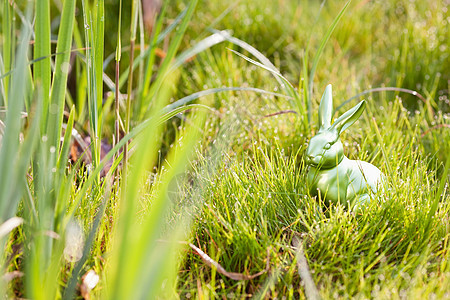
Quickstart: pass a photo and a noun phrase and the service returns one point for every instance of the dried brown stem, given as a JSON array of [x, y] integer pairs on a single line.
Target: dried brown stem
[[281, 113], [303, 270], [434, 127], [232, 275]]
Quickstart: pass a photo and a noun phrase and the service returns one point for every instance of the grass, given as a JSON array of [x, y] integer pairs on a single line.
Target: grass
[[218, 169], [260, 200]]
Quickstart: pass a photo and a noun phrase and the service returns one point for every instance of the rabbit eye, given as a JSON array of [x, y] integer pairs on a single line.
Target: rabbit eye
[[327, 146]]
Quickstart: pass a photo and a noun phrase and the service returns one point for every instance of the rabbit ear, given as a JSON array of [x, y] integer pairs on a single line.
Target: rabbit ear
[[349, 117], [326, 108]]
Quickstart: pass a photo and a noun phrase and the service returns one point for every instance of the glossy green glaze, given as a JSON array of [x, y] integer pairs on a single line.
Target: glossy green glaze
[[337, 178]]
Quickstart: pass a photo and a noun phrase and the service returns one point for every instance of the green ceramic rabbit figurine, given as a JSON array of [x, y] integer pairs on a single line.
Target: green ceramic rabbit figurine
[[337, 178]]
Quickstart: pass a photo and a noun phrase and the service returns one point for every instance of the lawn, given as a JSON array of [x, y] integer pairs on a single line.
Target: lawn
[[160, 156]]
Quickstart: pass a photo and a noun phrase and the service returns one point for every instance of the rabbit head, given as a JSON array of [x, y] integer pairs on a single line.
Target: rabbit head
[[325, 149]]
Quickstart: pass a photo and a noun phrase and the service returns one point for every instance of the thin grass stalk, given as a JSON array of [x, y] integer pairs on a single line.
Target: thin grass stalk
[[93, 117], [141, 44], [128, 109], [171, 52], [94, 70], [309, 78], [134, 15], [117, 89], [150, 61], [117, 107], [160, 38], [151, 56], [305, 90], [61, 199], [99, 13], [319, 52], [304, 80], [2, 87]]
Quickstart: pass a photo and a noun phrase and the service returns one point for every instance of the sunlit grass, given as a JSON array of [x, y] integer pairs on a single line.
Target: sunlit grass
[[219, 169]]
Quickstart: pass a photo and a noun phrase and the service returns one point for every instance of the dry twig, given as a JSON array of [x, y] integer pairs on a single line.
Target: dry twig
[[235, 276], [303, 270]]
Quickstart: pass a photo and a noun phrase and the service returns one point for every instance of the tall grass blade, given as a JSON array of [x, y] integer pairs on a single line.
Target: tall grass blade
[[151, 52], [9, 152], [159, 38], [99, 16], [194, 96], [128, 111], [318, 54], [2, 86], [117, 74], [267, 65], [8, 45], [64, 153], [59, 82], [94, 72], [383, 89], [98, 42], [42, 68], [264, 60], [275, 72], [201, 46], [141, 43]]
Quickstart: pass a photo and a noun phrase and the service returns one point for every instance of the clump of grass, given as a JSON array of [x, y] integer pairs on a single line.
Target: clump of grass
[[260, 199], [230, 181], [56, 194]]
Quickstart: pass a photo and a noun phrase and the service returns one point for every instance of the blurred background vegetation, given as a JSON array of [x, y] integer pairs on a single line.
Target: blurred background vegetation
[[390, 43], [377, 43], [232, 182], [394, 43]]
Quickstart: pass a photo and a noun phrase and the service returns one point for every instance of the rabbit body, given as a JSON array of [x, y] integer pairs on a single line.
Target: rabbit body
[[337, 178], [345, 182]]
